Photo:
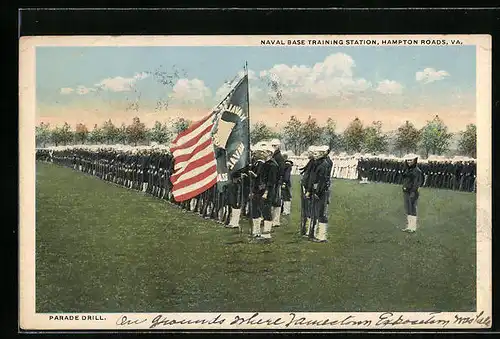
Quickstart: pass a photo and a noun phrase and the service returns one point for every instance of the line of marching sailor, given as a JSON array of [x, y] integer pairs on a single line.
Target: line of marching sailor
[[142, 169], [455, 174]]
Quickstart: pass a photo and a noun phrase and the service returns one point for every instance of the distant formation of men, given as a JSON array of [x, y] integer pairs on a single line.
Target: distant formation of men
[[143, 170], [459, 176]]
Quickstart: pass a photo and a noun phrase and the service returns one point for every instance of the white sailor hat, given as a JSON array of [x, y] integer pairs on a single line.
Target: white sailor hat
[[323, 148], [410, 156], [275, 142], [263, 148]]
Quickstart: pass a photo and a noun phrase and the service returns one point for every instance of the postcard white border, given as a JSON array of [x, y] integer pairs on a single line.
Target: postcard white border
[[30, 320]]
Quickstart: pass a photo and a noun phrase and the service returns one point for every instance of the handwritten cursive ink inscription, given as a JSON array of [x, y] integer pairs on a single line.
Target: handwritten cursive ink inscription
[[347, 321], [124, 321], [254, 320], [478, 319], [388, 319], [160, 320], [383, 320]]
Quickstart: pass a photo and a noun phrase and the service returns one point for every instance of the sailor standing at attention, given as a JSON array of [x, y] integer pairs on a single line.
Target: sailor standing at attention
[[412, 180], [280, 161]]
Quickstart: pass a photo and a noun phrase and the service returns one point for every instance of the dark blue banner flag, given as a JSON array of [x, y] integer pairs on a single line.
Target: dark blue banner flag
[[231, 132]]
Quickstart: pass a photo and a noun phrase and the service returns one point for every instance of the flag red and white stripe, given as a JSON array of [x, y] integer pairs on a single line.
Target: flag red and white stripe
[[195, 167]]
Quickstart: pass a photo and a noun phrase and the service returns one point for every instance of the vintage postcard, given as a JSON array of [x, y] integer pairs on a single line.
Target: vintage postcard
[[255, 182]]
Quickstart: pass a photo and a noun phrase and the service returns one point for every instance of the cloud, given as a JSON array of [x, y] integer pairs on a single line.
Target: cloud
[[140, 76], [117, 84], [66, 90], [223, 90], [333, 77], [389, 87], [121, 84], [190, 91], [429, 75], [82, 90], [257, 94]]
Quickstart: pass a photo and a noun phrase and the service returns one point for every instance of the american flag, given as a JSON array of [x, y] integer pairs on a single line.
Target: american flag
[[195, 168]]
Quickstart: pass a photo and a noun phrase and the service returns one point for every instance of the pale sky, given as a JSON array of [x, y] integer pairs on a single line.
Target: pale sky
[[392, 84]]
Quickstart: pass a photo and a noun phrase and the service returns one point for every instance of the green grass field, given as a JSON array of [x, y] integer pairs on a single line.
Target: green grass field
[[103, 248]]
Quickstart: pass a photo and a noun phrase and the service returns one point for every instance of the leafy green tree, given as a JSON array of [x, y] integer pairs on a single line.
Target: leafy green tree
[[435, 138], [407, 138], [136, 132], [160, 133], [311, 132], [180, 125], [354, 136], [81, 133], [330, 136], [261, 131], [96, 136], [292, 134], [43, 134], [467, 144], [62, 135], [375, 141], [121, 136], [56, 136], [109, 131]]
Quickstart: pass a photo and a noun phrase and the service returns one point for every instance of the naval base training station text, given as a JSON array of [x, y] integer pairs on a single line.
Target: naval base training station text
[[356, 42]]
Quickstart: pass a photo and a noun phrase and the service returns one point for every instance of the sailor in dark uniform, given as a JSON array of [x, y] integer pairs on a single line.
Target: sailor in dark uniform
[[144, 170], [157, 173], [128, 166], [170, 171], [246, 186], [135, 170], [257, 174], [286, 186], [151, 170], [162, 174], [271, 196], [412, 181], [318, 191], [278, 157], [235, 199], [305, 172]]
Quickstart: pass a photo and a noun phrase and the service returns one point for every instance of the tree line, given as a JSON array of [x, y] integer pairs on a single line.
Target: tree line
[[108, 133], [433, 138]]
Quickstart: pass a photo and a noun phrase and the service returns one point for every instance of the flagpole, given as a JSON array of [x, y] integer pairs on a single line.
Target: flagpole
[[248, 110], [249, 160]]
